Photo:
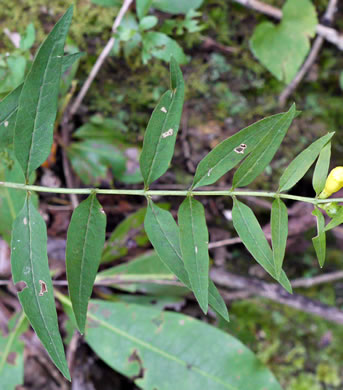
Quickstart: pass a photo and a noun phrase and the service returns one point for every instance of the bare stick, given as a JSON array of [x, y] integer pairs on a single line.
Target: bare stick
[[328, 33], [317, 45], [105, 52], [276, 293]]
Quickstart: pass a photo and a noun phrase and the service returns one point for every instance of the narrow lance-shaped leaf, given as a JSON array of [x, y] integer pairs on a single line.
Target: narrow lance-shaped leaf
[[29, 262], [152, 343], [85, 242], [336, 220], [279, 230], [164, 235], [160, 136], [252, 236], [264, 152], [302, 163], [194, 247], [231, 151], [322, 168], [9, 105], [319, 242], [38, 100]]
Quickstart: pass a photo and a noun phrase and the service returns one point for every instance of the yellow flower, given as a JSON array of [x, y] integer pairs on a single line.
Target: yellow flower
[[334, 183]]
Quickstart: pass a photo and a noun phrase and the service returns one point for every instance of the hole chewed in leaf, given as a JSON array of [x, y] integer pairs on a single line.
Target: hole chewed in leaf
[[168, 133], [6, 123], [25, 221], [240, 149], [20, 286], [134, 358], [11, 358], [43, 288], [163, 109]]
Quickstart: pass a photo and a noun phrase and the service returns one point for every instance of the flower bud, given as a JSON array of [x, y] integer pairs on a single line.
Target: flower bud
[[334, 183]]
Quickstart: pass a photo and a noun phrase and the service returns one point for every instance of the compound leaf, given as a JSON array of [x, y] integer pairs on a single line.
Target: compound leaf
[[231, 151], [164, 235], [153, 342], [279, 230], [252, 236], [194, 247], [319, 242], [264, 151], [38, 100], [302, 163], [29, 263], [85, 242], [160, 136]]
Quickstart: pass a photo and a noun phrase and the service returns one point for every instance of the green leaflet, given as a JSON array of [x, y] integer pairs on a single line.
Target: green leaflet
[[29, 263], [249, 230], [319, 242], [336, 220], [142, 8], [11, 200], [12, 371], [194, 247], [85, 242], [229, 153], [264, 152], [9, 105], [302, 163], [322, 168], [151, 343], [160, 136], [279, 230], [38, 100], [164, 235]]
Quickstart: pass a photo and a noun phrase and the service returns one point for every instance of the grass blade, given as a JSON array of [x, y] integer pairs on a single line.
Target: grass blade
[[264, 152], [302, 163], [29, 263], [85, 242], [279, 230], [249, 230], [194, 247], [38, 100], [160, 136]]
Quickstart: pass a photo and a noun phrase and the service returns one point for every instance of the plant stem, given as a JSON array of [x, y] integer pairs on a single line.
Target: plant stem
[[86, 191]]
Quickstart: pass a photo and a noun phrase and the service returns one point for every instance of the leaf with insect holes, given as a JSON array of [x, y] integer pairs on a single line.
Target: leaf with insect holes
[[231, 151], [194, 247], [252, 236], [37, 108], [302, 163], [164, 234], [264, 151], [29, 261], [322, 168], [279, 230], [319, 242], [9, 105], [85, 242], [160, 136], [155, 342]]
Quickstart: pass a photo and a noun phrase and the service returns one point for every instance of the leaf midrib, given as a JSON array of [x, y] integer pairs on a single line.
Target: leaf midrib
[[159, 351]]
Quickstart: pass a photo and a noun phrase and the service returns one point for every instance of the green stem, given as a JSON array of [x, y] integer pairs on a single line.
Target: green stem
[[11, 338], [86, 191]]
